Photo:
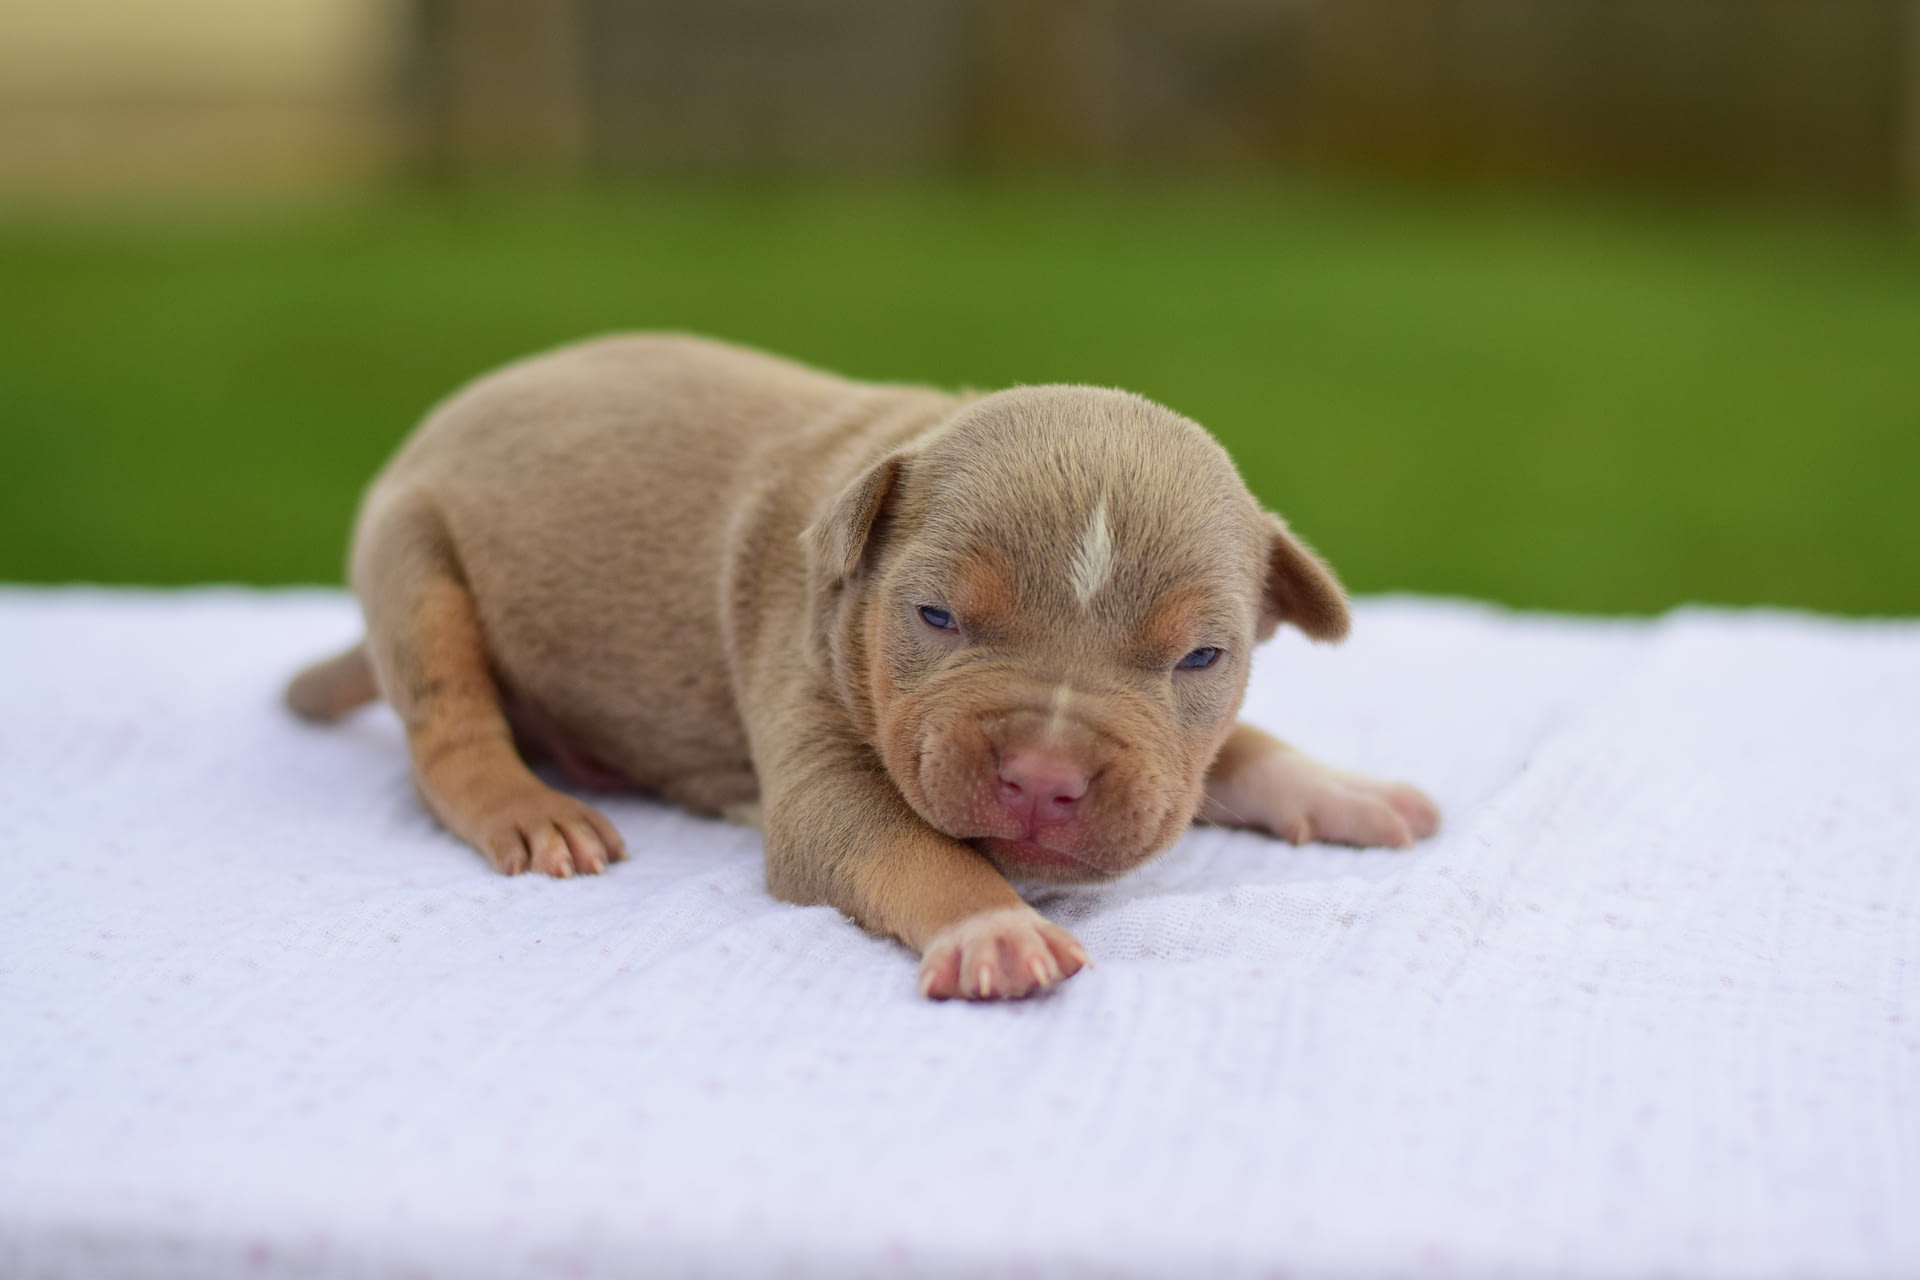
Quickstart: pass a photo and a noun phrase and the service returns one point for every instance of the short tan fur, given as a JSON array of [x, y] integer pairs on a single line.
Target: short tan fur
[[933, 642]]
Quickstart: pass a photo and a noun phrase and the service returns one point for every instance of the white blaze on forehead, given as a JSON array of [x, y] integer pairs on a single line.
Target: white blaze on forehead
[[1061, 694], [1093, 558]]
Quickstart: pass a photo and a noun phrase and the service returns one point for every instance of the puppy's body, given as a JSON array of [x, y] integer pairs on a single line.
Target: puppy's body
[[934, 640], [600, 503]]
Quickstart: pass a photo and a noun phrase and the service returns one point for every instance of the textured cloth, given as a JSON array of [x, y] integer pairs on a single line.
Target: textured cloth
[[1650, 1003]]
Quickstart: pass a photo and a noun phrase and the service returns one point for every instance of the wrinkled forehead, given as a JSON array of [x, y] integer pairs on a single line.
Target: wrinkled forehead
[[1105, 512]]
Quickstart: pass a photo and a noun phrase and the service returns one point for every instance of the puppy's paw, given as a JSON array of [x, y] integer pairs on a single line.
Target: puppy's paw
[[1300, 799], [1003, 954], [1366, 813], [1349, 808], [548, 831]]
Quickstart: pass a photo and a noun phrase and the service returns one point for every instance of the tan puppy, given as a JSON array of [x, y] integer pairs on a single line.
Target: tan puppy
[[931, 642]]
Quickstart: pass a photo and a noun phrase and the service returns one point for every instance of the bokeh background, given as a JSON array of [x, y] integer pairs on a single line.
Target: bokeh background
[[1604, 305]]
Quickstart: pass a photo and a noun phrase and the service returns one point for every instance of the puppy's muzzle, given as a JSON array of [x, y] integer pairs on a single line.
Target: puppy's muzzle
[[1048, 776], [1051, 784], [1042, 785]]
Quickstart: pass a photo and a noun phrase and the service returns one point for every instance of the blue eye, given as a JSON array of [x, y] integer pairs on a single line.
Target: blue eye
[[1199, 660], [937, 618]]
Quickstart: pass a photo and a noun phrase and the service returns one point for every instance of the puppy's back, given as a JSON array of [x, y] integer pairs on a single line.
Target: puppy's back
[[587, 494]]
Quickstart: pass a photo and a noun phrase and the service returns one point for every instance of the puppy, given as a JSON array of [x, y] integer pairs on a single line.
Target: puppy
[[931, 643]]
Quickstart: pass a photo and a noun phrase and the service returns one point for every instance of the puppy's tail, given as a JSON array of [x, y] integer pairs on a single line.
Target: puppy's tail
[[328, 690]]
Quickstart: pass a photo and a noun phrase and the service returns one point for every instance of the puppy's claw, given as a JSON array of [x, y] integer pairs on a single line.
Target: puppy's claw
[[540, 829], [585, 846], [1002, 954], [509, 856]]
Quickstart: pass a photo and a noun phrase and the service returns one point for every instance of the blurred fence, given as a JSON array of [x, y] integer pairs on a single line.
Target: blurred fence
[[1796, 96], [109, 96], [1803, 97]]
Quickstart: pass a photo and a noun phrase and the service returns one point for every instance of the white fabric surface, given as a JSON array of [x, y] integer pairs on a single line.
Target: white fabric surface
[[1650, 1004]]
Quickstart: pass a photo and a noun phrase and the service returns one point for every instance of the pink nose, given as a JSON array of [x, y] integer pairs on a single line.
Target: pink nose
[[1042, 786]]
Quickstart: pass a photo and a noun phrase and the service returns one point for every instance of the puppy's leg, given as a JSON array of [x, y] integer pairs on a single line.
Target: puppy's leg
[[1259, 781], [838, 832], [424, 637]]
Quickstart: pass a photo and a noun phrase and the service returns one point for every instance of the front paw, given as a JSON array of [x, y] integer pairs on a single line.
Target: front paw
[[1353, 809], [1003, 954]]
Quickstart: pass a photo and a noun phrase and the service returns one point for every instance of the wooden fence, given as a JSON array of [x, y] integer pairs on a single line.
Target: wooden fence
[[1800, 97]]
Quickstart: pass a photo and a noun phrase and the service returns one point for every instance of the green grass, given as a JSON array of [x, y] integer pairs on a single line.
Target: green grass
[[1546, 405]]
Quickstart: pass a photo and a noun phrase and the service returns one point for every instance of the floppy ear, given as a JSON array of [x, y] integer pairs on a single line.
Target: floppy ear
[[838, 542], [1301, 589], [838, 545]]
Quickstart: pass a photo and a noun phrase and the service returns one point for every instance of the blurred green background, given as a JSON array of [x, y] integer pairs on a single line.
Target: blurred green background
[[1570, 398]]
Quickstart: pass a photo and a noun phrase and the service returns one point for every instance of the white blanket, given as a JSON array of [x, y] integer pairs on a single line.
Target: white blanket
[[1650, 1004]]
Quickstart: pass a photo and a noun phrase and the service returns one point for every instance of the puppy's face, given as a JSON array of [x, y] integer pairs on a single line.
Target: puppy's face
[[1042, 617]]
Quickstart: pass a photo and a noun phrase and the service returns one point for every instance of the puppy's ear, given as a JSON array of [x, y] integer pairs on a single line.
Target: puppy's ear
[[842, 541], [1301, 589], [838, 542]]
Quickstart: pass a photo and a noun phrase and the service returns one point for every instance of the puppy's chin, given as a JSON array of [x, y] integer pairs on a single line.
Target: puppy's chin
[[1030, 861]]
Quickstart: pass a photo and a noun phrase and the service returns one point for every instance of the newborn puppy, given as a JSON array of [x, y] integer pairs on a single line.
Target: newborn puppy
[[932, 643]]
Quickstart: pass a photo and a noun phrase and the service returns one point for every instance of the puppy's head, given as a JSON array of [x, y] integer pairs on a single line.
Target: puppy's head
[[1041, 616]]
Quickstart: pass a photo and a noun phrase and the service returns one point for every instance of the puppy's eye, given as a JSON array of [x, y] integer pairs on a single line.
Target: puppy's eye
[[937, 618], [1198, 660]]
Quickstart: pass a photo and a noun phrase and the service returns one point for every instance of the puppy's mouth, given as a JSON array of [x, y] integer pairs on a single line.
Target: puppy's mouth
[[1038, 861]]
